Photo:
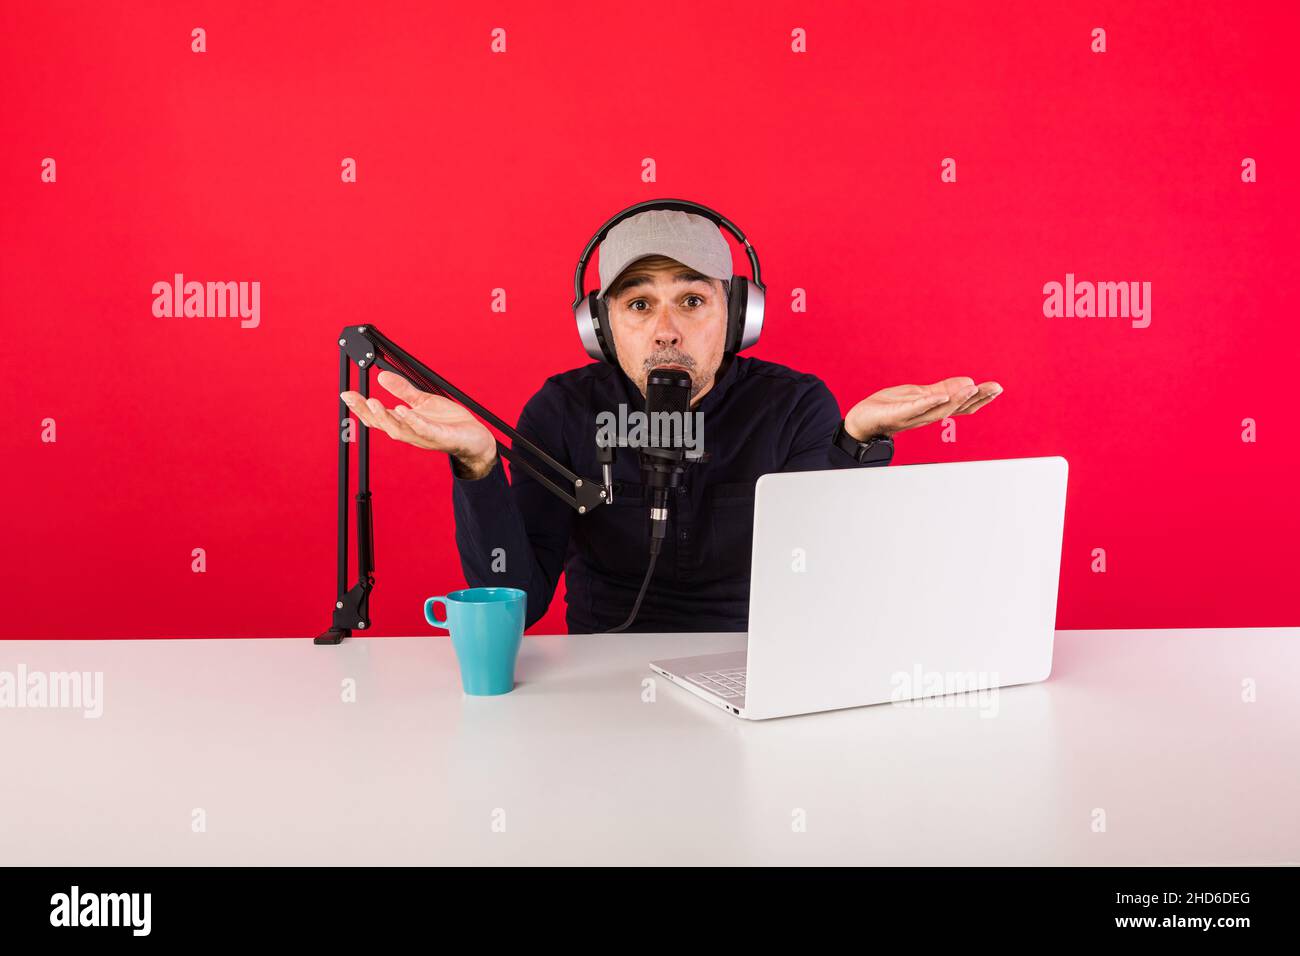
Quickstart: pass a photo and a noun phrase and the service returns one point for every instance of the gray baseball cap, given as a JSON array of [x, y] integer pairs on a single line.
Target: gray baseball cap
[[690, 239]]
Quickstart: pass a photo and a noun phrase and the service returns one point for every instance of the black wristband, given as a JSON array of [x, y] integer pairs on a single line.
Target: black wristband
[[878, 450]]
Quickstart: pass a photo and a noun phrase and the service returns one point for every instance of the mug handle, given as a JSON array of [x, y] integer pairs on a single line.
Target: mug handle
[[428, 612]]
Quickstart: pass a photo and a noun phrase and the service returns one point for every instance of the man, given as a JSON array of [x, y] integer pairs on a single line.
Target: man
[[759, 417]]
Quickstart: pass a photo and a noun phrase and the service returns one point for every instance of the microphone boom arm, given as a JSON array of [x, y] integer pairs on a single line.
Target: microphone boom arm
[[366, 347]]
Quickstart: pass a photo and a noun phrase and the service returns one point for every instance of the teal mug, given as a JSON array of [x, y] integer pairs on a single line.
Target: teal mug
[[487, 627]]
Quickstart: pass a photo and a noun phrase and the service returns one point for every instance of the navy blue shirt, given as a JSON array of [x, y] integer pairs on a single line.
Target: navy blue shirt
[[759, 417]]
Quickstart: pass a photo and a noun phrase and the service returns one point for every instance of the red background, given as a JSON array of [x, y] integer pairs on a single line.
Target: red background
[[478, 170]]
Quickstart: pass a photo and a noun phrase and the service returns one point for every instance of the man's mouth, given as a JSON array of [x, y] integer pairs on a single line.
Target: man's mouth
[[686, 364]]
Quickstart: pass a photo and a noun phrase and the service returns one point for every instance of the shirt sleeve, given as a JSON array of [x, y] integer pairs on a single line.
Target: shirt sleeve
[[515, 533], [813, 421]]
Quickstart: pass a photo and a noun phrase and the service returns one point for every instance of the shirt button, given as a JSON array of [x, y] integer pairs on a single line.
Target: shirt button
[[683, 535]]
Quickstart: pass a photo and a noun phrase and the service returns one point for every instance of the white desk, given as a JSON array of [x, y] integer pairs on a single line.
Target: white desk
[[1149, 726]]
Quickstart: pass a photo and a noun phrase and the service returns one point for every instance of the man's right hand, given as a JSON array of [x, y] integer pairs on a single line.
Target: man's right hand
[[428, 421]]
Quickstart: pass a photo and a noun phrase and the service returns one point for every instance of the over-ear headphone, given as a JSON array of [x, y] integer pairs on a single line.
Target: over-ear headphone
[[744, 297]]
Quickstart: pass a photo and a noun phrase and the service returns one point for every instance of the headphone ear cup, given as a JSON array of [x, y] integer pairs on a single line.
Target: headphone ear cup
[[603, 333], [737, 305], [751, 326], [593, 328]]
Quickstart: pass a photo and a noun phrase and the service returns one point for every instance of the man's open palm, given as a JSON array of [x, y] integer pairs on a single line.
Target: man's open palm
[[901, 407], [425, 421]]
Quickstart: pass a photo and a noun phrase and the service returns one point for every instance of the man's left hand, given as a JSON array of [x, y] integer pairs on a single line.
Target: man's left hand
[[901, 407]]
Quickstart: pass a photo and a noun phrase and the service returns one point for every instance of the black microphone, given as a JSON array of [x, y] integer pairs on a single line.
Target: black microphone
[[663, 458]]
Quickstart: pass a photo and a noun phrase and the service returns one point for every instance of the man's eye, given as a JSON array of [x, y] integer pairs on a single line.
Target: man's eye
[[632, 306]]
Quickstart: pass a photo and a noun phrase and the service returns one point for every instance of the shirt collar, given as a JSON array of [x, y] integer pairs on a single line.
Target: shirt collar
[[729, 376]]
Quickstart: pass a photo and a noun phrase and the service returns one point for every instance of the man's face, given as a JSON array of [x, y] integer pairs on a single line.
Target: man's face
[[664, 313]]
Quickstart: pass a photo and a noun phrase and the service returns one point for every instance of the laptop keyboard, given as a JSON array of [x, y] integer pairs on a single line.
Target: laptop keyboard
[[727, 683]]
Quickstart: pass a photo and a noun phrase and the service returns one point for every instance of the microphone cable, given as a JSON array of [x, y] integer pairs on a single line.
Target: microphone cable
[[650, 569], [658, 529]]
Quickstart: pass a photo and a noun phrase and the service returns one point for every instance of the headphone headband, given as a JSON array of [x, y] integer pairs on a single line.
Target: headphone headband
[[680, 205]]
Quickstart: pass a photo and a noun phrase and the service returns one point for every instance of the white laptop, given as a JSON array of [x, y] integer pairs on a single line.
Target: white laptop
[[881, 584]]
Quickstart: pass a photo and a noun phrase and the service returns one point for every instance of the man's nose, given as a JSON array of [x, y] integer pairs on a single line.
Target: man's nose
[[666, 332]]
